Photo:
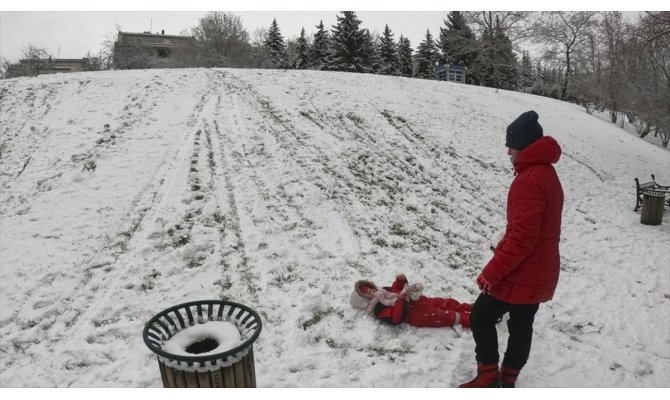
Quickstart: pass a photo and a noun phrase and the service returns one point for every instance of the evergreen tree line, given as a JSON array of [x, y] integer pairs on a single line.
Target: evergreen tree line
[[345, 47], [595, 59]]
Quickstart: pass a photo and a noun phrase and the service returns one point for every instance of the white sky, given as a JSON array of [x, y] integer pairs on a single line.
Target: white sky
[[67, 31]]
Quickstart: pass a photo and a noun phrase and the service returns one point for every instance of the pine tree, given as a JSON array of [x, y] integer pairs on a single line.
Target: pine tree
[[540, 72], [275, 47], [318, 53], [509, 66], [499, 67], [370, 56], [426, 56], [347, 45], [301, 52], [389, 64], [526, 72], [404, 57], [458, 43]]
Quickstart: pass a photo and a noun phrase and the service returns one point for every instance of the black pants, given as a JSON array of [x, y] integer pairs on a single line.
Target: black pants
[[485, 313]]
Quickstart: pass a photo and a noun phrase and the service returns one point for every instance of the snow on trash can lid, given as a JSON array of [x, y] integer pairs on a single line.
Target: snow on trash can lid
[[205, 339], [202, 336]]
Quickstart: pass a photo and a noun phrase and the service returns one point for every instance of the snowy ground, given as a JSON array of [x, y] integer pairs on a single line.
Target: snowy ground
[[123, 193]]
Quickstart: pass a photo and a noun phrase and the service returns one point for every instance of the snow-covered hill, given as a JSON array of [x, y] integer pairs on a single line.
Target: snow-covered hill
[[125, 192]]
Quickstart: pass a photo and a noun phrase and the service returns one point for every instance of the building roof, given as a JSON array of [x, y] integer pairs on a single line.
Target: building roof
[[153, 35]]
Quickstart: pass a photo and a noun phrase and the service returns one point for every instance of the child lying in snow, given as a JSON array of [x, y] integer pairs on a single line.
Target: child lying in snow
[[403, 302]]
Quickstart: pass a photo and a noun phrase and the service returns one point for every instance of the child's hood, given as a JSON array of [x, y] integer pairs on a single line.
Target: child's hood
[[360, 297]]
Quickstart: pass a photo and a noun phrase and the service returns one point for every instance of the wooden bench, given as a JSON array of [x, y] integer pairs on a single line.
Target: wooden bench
[[666, 188], [640, 188]]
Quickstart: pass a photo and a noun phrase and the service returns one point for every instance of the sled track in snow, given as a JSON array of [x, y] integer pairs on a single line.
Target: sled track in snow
[[101, 269], [347, 179], [233, 253], [137, 215]]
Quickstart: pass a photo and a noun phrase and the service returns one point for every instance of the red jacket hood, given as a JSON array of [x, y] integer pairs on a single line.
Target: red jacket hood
[[543, 151]]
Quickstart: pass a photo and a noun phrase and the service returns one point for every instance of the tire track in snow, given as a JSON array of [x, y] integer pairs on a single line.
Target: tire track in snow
[[295, 148], [146, 195], [319, 165], [234, 259], [323, 168], [147, 207], [100, 272], [279, 237], [346, 178], [313, 161]]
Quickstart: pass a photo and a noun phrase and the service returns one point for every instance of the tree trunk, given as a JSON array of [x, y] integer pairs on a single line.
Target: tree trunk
[[567, 75], [614, 115]]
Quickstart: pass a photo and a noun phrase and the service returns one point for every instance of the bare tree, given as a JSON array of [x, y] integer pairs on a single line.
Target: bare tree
[[649, 77], [222, 40], [564, 33], [659, 23], [91, 62], [515, 25], [35, 58], [30, 51], [106, 53], [615, 57], [4, 67]]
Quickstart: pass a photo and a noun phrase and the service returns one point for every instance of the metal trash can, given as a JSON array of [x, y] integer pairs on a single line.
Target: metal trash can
[[652, 206], [200, 363]]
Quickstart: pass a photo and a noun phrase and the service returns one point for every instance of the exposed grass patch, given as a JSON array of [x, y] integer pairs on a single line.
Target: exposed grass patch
[[398, 230], [317, 317]]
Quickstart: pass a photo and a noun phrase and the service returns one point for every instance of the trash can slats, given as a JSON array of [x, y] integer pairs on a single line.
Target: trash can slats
[[652, 207], [234, 368]]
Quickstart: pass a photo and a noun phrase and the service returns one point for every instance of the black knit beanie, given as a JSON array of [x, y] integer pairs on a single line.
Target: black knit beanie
[[523, 131]]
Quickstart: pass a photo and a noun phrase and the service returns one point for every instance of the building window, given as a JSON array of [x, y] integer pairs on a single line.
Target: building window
[[163, 53]]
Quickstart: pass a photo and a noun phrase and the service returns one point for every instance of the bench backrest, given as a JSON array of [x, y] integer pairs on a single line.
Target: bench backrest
[[642, 186]]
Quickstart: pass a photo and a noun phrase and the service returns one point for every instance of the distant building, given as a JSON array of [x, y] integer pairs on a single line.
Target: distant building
[[41, 66], [148, 50], [445, 71]]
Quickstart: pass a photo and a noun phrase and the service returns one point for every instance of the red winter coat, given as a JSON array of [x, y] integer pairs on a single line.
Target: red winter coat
[[396, 313], [424, 312], [526, 263]]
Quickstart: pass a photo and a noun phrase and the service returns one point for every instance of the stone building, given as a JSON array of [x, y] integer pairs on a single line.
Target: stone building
[[148, 50]]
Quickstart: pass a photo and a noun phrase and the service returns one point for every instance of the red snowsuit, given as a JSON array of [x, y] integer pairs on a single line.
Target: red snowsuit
[[525, 266], [424, 312]]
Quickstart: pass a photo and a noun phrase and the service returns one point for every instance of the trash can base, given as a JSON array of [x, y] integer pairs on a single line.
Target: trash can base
[[239, 375]]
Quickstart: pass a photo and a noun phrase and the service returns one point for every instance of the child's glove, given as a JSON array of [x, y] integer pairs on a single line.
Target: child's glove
[[412, 291]]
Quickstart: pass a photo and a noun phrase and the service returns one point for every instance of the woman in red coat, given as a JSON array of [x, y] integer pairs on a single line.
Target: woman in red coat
[[402, 302], [524, 269]]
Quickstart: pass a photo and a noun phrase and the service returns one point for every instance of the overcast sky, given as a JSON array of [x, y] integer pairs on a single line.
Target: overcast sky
[[68, 33]]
